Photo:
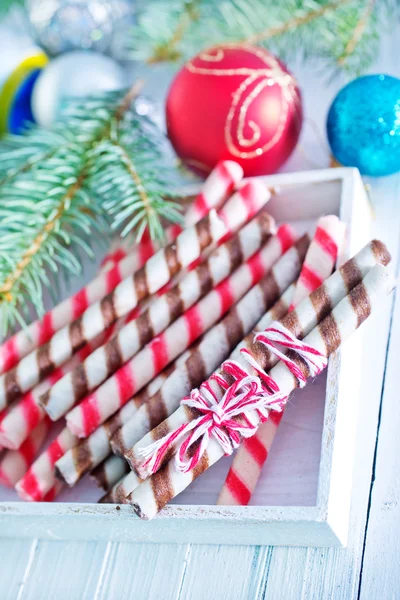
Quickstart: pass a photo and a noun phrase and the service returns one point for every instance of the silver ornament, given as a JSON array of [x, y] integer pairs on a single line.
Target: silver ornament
[[74, 74], [62, 25]]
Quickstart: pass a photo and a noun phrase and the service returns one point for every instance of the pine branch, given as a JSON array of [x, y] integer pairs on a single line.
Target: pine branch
[[343, 33], [166, 51], [299, 20], [59, 189], [41, 218], [358, 33], [6, 5]]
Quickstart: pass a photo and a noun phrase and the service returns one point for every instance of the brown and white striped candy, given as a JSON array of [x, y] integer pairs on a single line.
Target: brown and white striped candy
[[130, 378], [110, 472], [319, 303], [214, 347], [300, 322], [162, 311], [102, 314], [87, 454], [156, 491], [119, 492]]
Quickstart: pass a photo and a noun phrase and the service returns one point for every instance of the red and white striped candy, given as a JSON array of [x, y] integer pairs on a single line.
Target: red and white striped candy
[[130, 378], [15, 463], [319, 263], [40, 477], [321, 256], [53, 492], [217, 188]]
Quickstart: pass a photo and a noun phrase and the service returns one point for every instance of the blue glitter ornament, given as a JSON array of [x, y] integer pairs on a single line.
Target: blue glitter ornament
[[364, 125]]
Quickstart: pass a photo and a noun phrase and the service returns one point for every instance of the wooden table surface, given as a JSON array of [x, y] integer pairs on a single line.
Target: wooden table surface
[[369, 568]]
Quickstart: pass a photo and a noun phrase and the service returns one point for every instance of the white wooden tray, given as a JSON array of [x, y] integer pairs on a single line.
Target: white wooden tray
[[303, 497]]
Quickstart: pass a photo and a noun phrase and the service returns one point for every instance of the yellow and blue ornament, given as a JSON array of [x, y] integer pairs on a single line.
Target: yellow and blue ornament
[[363, 125], [20, 66]]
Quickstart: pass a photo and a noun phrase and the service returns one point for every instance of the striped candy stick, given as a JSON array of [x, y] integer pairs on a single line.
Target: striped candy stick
[[15, 463], [206, 356], [120, 490], [218, 186], [53, 492], [156, 491], [140, 251], [162, 311], [40, 478], [21, 418], [130, 378], [248, 462], [216, 189], [102, 314], [299, 321], [88, 453], [110, 472], [321, 256]]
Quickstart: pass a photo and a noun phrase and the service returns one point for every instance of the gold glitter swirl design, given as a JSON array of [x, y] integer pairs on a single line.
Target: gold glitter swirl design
[[237, 142]]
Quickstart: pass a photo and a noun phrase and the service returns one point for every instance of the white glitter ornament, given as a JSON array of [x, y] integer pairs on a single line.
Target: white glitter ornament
[[63, 25], [76, 74]]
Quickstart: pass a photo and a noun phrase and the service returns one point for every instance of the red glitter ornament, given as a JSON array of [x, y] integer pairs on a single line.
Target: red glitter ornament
[[238, 102]]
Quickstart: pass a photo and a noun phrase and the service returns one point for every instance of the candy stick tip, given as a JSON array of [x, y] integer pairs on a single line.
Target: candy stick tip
[[381, 252]]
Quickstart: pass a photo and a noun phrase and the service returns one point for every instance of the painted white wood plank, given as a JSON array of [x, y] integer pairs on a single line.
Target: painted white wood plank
[[381, 564], [64, 570], [16, 557], [219, 572], [145, 571], [286, 573]]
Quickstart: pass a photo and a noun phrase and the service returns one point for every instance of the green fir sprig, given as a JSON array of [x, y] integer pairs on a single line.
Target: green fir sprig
[[101, 166], [343, 34]]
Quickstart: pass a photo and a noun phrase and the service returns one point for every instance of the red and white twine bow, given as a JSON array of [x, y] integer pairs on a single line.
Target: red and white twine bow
[[278, 335], [251, 398]]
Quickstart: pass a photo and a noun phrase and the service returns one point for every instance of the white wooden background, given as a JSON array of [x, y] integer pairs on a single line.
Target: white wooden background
[[369, 568]]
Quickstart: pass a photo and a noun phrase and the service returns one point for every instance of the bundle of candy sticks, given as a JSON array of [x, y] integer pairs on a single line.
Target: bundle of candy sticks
[[172, 357]]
